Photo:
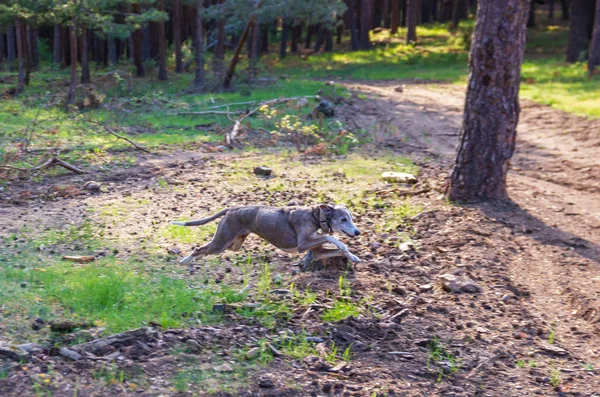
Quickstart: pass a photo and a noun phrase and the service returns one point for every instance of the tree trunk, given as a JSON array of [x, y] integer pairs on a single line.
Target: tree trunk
[[26, 52], [1, 48], [285, 28], [264, 38], [460, 10], [328, 40], [56, 45], [20, 55], [253, 48], [551, 10], [594, 56], [11, 51], [385, 14], [339, 33], [219, 58], [309, 32], [138, 39], [354, 41], [199, 78], [395, 17], [565, 8], [236, 55], [85, 65], [531, 19], [112, 51], [35, 53], [488, 133], [366, 20], [73, 45], [580, 29], [412, 13], [295, 35], [320, 38], [177, 36], [65, 39], [162, 46]]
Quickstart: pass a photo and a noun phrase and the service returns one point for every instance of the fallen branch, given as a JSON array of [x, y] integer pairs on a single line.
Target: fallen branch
[[119, 136], [203, 113], [56, 161], [270, 101]]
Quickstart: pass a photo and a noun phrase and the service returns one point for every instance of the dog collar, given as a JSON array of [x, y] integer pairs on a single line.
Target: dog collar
[[324, 222]]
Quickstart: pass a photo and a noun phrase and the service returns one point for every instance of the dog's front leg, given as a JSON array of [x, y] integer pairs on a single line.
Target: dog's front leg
[[310, 244]]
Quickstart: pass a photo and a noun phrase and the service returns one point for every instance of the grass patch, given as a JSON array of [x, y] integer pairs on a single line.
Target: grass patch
[[341, 310]]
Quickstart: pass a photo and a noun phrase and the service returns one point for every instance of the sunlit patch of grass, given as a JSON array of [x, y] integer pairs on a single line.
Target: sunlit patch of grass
[[341, 310], [188, 235]]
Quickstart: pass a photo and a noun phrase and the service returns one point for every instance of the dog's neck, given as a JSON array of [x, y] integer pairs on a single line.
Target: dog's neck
[[322, 221]]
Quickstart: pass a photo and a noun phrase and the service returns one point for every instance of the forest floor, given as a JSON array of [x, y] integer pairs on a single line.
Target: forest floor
[[386, 327]]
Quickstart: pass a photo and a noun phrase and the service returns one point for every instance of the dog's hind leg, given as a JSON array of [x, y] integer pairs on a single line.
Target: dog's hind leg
[[237, 243], [222, 239]]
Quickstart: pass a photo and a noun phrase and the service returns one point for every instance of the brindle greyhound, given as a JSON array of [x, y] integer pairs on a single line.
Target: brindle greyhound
[[291, 229]]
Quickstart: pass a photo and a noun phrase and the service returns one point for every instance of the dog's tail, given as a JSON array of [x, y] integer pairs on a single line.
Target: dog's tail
[[202, 221]]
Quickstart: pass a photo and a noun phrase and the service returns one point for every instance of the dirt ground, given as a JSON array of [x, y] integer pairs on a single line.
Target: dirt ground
[[536, 258]]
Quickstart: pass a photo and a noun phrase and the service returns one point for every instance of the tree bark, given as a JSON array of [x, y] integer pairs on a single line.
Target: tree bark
[[295, 35], [366, 20], [219, 58], [177, 36], [73, 45], [531, 19], [138, 38], [236, 55], [264, 38], [35, 53], [309, 33], [488, 133], [20, 56], [285, 28], [254, 48], [11, 51], [580, 29], [395, 17], [1, 47], [460, 10], [320, 37], [385, 14], [412, 12], [162, 46], [328, 40], [551, 9], [26, 53], [354, 41], [199, 77], [112, 51], [594, 56], [56, 45], [565, 8], [85, 65]]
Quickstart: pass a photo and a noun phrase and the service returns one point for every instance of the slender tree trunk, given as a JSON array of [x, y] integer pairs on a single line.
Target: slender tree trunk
[[320, 38], [580, 29], [594, 56], [551, 10], [56, 45], [395, 17], [162, 46], [285, 28], [85, 64], [26, 52], [294, 43], [264, 38], [366, 20], [11, 51], [65, 47], [219, 58], [1, 48], [35, 53], [236, 55], [459, 11], [254, 51], [412, 11], [73, 45], [565, 8], [177, 36], [20, 55], [531, 20], [385, 13], [488, 133], [328, 40], [199, 77], [138, 39], [404, 8], [112, 51], [309, 33]]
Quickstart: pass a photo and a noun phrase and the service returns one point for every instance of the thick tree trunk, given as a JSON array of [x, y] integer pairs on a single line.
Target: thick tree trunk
[[56, 45], [404, 8], [328, 40], [219, 58], [285, 29], [310, 29], [177, 36], [295, 36], [531, 20], [138, 39], [199, 77], [264, 38], [162, 46], [395, 16], [565, 8], [551, 9], [65, 39], [488, 133], [85, 65], [594, 56], [73, 46], [11, 51], [580, 29], [354, 41], [320, 38], [20, 55], [366, 19], [412, 11]]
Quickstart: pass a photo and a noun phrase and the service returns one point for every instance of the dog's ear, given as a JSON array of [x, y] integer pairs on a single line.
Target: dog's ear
[[328, 209]]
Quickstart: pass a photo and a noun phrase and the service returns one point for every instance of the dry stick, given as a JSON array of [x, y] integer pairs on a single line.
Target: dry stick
[[56, 161], [202, 113], [119, 136]]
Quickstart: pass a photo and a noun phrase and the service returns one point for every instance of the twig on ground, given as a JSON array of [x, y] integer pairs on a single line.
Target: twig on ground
[[110, 131]]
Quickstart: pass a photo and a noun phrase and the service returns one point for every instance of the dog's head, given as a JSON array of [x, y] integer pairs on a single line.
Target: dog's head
[[339, 219]]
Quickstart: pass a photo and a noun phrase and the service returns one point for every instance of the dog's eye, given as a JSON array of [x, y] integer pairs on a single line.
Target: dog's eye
[[344, 220]]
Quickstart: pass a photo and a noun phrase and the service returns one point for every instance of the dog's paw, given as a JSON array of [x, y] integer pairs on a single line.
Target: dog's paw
[[353, 258], [186, 260]]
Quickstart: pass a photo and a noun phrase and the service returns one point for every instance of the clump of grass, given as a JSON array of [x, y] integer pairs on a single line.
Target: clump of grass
[[341, 310]]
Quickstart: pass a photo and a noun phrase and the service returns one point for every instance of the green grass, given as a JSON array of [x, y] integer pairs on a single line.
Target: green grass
[[341, 310]]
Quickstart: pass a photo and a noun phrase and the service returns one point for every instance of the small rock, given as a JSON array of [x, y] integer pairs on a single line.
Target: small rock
[[326, 108], [72, 354], [407, 246], [399, 177], [400, 88], [266, 384], [24, 284], [302, 102], [223, 368], [262, 170], [13, 353], [92, 186], [252, 353], [456, 284], [314, 339], [31, 347], [193, 345], [280, 291], [292, 203], [425, 287]]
